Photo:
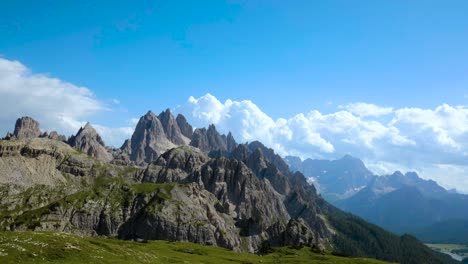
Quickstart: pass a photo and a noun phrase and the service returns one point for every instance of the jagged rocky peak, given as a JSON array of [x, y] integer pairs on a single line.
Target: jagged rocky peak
[[185, 128], [89, 141], [53, 135], [231, 143], [148, 141], [171, 128], [270, 156], [256, 162], [208, 139], [241, 152], [26, 127]]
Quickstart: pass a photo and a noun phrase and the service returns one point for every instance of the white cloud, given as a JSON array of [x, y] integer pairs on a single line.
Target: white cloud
[[114, 136], [433, 142], [56, 104], [133, 122], [363, 109], [415, 139]]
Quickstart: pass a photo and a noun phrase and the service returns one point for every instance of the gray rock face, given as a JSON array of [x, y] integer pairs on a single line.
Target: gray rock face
[[184, 195], [299, 233], [26, 127], [248, 201], [241, 152], [257, 162], [262, 166], [89, 141], [185, 128], [171, 129], [264, 169], [210, 140], [54, 135], [231, 143], [148, 141], [192, 218], [270, 156]]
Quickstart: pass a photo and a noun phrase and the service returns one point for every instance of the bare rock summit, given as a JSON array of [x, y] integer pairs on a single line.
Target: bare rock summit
[[88, 140], [26, 127], [171, 128], [148, 141]]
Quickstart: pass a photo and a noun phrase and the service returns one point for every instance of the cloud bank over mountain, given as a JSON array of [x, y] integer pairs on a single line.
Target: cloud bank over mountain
[[56, 104], [433, 142]]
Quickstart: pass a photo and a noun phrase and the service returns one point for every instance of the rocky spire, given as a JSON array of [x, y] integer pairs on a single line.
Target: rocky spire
[[231, 143], [149, 140], [56, 136], [185, 128], [208, 139], [88, 140], [26, 127], [241, 153], [171, 129], [256, 162], [270, 156]]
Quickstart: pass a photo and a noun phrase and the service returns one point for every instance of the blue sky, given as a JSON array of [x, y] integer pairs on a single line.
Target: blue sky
[[386, 81], [298, 55]]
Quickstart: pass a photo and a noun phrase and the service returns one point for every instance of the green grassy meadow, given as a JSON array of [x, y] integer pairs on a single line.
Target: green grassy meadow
[[48, 247]]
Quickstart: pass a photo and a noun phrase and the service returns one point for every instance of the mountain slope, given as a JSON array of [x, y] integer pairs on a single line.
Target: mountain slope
[[241, 200], [89, 141], [40, 247], [423, 202], [453, 231]]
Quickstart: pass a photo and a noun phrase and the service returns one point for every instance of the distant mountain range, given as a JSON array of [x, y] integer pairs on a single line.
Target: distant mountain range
[[334, 179], [402, 203]]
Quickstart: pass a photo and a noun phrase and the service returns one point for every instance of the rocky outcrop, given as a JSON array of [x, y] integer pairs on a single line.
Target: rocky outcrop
[[185, 128], [54, 135], [26, 127], [210, 140], [248, 200], [148, 141], [88, 140], [182, 213], [39, 161], [298, 233], [270, 156], [171, 128], [231, 143]]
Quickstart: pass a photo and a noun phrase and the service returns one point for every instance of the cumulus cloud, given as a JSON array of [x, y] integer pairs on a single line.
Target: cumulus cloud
[[307, 135], [414, 138], [433, 142], [114, 136], [56, 104], [364, 109]]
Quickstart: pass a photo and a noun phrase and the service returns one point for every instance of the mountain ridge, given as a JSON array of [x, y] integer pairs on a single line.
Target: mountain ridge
[[183, 194]]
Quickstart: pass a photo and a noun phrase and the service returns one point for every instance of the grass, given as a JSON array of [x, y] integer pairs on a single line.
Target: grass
[[47, 247]]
